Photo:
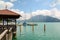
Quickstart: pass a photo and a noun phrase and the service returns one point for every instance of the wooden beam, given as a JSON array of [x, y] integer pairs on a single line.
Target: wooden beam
[[3, 34], [32, 28], [7, 21], [15, 21], [3, 20], [44, 27]]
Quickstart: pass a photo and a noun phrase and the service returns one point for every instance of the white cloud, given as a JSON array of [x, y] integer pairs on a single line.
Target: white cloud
[[56, 13], [13, 0], [52, 12], [3, 4], [22, 13], [9, 4], [55, 3], [58, 1], [41, 12]]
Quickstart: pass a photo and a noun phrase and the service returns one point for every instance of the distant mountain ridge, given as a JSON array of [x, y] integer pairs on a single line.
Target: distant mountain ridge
[[41, 18]]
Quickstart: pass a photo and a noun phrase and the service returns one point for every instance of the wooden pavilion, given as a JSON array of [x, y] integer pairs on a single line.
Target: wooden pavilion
[[7, 16]]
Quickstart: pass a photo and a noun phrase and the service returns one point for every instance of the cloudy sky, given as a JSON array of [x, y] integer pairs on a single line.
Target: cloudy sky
[[30, 8]]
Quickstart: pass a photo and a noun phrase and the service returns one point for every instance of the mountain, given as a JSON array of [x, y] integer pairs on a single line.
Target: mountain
[[41, 18]]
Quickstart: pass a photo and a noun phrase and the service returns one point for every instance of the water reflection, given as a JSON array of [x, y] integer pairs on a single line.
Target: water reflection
[[44, 29], [44, 34], [49, 32], [33, 29], [24, 29]]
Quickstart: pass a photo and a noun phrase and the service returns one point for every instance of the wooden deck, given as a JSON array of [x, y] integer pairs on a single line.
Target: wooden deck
[[7, 32]]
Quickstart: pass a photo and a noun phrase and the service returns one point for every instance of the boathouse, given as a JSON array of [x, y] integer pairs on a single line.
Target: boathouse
[[8, 24]]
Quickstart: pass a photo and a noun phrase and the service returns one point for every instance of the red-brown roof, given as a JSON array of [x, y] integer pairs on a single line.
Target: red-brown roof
[[8, 14]]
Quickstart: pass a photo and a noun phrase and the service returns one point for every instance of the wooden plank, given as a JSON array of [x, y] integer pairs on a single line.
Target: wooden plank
[[3, 33], [10, 29]]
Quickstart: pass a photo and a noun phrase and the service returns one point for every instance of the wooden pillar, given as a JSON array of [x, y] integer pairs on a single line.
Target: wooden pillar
[[44, 28], [14, 28], [20, 28], [15, 25], [7, 28], [7, 37], [7, 21], [32, 28], [3, 21], [15, 21], [10, 36]]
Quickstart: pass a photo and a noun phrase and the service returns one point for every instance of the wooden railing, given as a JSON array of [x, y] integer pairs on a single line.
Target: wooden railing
[[7, 32], [6, 35], [3, 35]]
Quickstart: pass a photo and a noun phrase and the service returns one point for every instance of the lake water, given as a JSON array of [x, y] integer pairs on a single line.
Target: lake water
[[52, 32]]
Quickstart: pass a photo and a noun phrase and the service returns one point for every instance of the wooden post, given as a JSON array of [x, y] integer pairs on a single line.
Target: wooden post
[[3, 21], [8, 29], [20, 28], [15, 21], [44, 27], [14, 30], [10, 36], [10, 33], [32, 28], [15, 25], [7, 21]]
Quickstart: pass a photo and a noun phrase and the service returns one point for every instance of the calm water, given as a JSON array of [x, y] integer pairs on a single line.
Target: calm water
[[52, 32]]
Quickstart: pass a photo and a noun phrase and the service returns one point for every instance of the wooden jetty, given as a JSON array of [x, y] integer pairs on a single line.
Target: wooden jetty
[[8, 31], [28, 24], [32, 24]]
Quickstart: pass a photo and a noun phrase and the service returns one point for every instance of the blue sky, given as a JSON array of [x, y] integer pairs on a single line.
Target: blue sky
[[32, 5]]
